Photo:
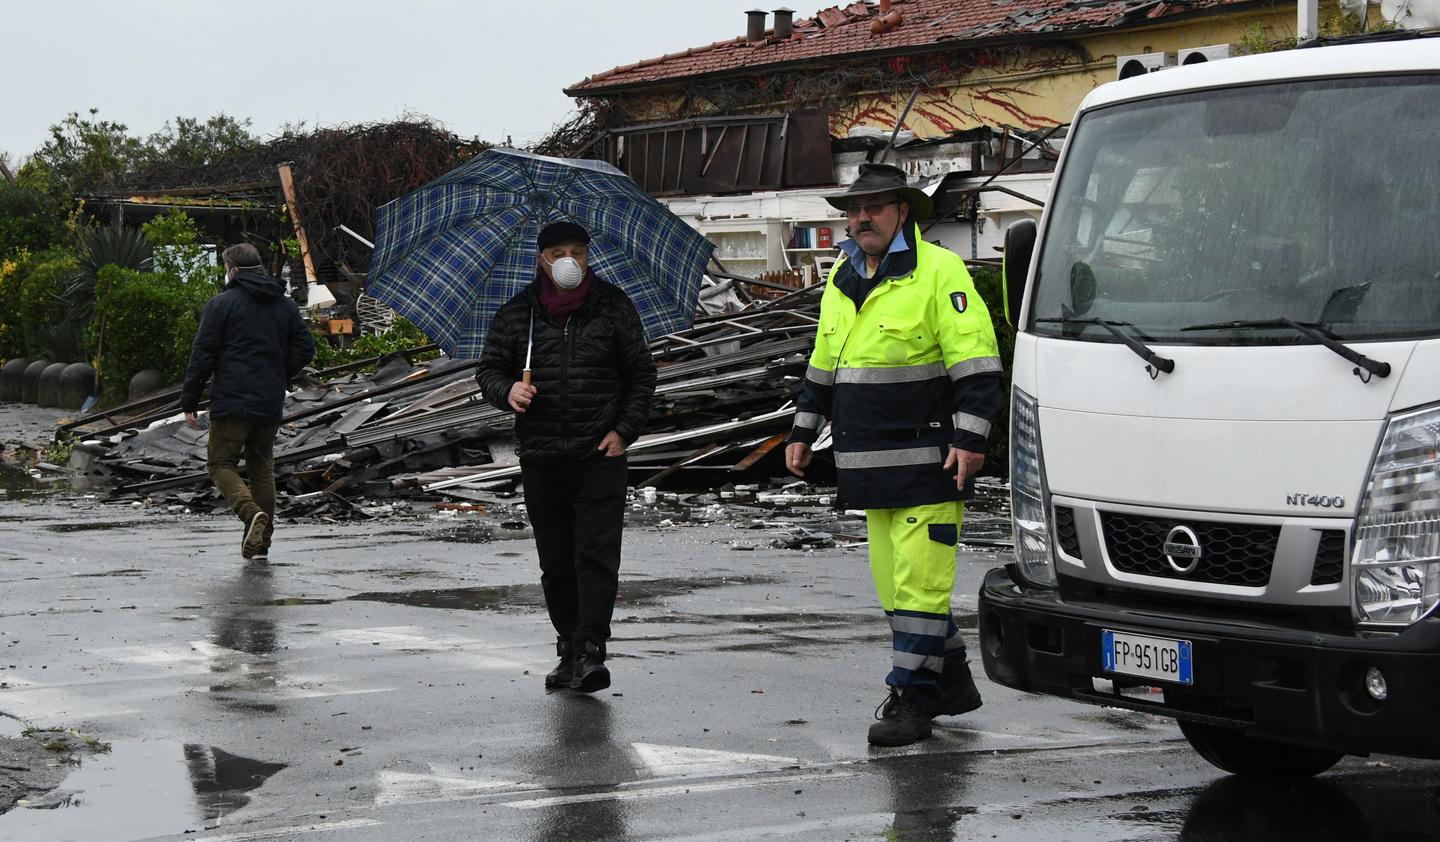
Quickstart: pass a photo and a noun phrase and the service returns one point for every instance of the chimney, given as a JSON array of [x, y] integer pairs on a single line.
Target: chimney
[[755, 25], [886, 19], [784, 20]]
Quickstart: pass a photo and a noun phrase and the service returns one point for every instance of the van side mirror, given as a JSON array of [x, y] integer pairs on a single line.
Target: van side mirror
[[1015, 267]]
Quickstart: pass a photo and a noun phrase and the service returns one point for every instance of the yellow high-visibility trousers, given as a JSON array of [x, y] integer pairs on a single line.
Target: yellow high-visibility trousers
[[912, 559]]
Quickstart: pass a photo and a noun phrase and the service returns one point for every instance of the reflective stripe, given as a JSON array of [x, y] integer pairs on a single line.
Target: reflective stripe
[[915, 661], [894, 374], [919, 625], [820, 376], [889, 458], [970, 423], [809, 420], [977, 365]]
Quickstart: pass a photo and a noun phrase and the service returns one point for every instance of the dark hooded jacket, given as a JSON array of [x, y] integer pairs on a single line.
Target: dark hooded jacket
[[592, 375], [250, 343]]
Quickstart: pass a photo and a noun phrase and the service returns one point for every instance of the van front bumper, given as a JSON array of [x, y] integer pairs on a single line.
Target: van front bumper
[[1269, 681]]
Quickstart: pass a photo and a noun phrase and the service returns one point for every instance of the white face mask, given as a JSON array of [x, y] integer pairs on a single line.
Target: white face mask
[[566, 273], [231, 272]]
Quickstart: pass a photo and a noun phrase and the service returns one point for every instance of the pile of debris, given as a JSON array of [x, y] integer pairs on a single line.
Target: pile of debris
[[724, 404]]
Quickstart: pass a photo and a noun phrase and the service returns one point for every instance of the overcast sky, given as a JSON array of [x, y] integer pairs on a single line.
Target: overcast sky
[[483, 68]]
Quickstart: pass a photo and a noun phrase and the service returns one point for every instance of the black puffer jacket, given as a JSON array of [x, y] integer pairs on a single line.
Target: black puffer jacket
[[591, 376], [251, 342]]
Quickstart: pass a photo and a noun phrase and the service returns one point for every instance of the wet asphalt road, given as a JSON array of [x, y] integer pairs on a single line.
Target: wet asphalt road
[[382, 681]]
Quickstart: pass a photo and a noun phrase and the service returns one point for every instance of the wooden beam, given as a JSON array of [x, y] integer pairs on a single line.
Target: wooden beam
[[287, 184], [690, 458], [680, 165], [740, 159], [5, 171], [720, 141], [759, 453]]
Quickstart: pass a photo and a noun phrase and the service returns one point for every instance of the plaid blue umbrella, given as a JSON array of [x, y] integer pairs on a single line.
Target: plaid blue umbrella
[[450, 253]]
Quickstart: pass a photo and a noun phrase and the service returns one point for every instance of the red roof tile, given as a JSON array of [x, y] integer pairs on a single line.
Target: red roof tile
[[845, 31]]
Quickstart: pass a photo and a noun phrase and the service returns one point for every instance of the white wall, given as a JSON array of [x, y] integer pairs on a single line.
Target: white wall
[[1409, 14], [997, 211]]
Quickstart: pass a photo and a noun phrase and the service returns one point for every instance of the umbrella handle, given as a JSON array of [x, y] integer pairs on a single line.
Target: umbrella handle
[[525, 377]]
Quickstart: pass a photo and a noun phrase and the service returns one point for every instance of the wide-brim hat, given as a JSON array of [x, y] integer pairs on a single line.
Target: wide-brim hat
[[883, 178]]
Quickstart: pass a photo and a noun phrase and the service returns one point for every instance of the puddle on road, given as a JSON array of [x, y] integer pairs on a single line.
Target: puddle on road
[[96, 526], [484, 533], [530, 596], [297, 600], [127, 572], [141, 790], [17, 483]]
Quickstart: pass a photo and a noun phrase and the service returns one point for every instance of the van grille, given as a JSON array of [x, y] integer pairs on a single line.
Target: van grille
[[1329, 558], [1232, 553], [1065, 531]]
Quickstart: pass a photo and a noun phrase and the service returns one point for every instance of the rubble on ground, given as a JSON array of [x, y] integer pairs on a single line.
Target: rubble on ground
[[352, 441], [418, 440]]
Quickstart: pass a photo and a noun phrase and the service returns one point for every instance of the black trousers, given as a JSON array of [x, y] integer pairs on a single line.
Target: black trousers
[[577, 510]]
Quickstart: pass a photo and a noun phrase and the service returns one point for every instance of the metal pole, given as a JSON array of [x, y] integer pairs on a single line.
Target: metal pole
[[974, 225], [1307, 24]]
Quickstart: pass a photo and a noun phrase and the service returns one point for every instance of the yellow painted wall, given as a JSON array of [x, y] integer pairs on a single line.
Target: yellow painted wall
[[1030, 87], [1041, 87]]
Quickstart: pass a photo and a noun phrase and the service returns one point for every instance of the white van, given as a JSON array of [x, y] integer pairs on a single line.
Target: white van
[[1226, 410]]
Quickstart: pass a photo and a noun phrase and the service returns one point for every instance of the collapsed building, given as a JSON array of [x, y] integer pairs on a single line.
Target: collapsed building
[[740, 135]]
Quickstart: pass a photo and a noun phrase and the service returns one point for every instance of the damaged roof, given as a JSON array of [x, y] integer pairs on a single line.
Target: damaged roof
[[846, 31]]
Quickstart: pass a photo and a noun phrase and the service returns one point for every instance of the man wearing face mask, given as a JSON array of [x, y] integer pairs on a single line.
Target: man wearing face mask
[[568, 356], [907, 372], [250, 343]]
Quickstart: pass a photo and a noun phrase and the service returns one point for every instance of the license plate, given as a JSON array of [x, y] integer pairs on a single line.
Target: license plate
[[1147, 657]]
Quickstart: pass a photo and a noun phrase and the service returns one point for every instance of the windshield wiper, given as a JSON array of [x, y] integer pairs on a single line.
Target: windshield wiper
[[1154, 362], [1310, 329]]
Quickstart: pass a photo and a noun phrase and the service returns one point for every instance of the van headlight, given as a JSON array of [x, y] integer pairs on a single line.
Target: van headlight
[[1396, 557], [1029, 497]]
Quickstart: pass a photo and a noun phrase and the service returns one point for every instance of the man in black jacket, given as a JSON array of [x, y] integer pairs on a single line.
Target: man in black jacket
[[568, 355], [251, 342]]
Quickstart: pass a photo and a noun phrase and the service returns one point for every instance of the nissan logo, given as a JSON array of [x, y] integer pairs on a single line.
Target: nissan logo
[[1182, 550]]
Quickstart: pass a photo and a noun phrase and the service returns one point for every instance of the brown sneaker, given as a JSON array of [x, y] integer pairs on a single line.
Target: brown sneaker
[[254, 541]]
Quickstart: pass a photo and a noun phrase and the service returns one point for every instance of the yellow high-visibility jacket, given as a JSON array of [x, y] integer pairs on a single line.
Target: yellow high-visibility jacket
[[910, 371]]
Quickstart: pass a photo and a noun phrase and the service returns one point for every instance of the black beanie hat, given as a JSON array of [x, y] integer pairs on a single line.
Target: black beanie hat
[[561, 232]]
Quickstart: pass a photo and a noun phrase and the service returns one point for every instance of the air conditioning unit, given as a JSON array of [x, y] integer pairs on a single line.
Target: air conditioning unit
[[1127, 66], [1196, 55]]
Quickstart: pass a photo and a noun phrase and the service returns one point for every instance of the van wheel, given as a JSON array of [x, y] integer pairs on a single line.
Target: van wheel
[[1231, 750]]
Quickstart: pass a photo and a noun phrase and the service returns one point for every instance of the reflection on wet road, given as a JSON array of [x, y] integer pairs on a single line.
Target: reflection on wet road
[[138, 791], [363, 689], [579, 755], [243, 642]]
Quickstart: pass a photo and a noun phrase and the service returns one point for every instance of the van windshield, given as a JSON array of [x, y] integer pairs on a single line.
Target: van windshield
[[1314, 201]]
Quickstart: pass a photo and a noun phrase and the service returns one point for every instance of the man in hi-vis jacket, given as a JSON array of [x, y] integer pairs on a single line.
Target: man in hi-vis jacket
[[907, 372]]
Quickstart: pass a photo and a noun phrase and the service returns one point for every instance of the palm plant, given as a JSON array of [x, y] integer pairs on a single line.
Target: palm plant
[[127, 248]]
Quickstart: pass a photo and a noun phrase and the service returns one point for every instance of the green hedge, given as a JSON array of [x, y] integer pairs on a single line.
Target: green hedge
[[40, 306], [144, 320], [12, 332], [988, 284], [29, 220]]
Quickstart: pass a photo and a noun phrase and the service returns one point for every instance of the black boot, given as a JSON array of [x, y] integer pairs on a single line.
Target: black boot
[[565, 670], [904, 718], [958, 693], [590, 672]]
